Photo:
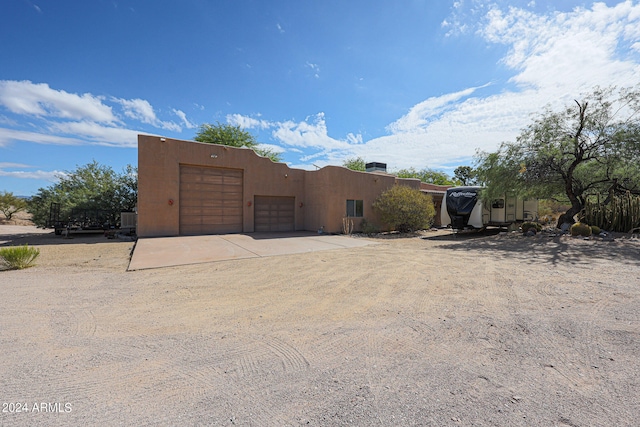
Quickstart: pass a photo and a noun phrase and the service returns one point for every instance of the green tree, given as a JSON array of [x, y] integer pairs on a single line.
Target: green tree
[[355, 164], [465, 175], [10, 204], [590, 147], [233, 136], [91, 187], [427, 175], [405, 209]]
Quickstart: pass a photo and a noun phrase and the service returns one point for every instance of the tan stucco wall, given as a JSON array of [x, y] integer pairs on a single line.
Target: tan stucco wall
[[159, 161], [329, 188], [320, 196]]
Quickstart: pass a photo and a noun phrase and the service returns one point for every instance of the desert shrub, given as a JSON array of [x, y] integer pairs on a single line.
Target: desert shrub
[[580, 229], [18, 257], [368, 228], [595, 229], [405, 209], [526, 226]]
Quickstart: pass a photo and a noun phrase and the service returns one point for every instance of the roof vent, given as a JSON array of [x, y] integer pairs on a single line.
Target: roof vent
[[376, 167]]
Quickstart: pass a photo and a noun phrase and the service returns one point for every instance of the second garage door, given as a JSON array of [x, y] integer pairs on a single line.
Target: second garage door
[[210, 200], [274, 213]]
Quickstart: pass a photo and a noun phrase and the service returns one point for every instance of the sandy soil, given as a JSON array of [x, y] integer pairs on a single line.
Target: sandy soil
[[435, 330]]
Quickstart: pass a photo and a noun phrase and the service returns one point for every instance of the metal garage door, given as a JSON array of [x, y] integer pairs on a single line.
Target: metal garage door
[[210, 200], [274, 213]]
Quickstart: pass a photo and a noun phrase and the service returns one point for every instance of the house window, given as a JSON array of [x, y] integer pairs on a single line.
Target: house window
[[355, 208]]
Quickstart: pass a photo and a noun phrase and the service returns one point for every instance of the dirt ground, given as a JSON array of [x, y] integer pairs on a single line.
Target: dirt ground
[[433, 330]]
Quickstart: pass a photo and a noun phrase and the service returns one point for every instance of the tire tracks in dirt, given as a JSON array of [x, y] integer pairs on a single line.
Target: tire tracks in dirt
[[241, 372], [565, 346]]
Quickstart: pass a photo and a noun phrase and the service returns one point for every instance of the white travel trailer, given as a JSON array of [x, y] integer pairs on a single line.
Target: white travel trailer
[[462, 209]]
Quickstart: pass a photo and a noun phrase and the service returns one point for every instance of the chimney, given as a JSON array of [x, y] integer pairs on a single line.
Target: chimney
[[376, 167]]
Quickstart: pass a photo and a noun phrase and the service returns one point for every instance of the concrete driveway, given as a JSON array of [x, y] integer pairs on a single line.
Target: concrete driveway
[[159, 252]]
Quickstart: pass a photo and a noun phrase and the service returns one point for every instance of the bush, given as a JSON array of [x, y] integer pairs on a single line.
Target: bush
[[526, 226], [405, 209], [92, 187], [580, 229], [368, 228], [18, 257], [595, 229]]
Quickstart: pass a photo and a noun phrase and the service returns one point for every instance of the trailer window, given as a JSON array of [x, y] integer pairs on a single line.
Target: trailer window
[[355, 208], [497, 204]]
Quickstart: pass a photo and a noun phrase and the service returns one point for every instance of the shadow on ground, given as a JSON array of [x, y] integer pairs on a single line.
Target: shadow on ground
[[547, 248], [43, 238]]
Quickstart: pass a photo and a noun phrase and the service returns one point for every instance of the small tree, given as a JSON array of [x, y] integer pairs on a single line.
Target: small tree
[[405, 209], [10, 204], [355, 164], [233, 136]]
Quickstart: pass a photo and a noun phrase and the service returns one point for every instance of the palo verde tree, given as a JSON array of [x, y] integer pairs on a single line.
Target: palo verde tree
[[233, 136], [590, 147], [91, 187]]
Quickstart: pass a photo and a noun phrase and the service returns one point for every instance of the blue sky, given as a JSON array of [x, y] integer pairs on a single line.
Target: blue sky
[[413, 83]]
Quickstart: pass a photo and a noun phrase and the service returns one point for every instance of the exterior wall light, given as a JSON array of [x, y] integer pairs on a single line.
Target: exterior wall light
[[286, 175], [214, 156]]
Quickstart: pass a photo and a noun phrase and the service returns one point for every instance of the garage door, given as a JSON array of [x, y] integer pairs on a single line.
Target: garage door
[[274, 213], [210, 200]]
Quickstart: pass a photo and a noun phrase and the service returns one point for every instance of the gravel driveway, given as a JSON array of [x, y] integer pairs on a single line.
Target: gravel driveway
[[434, 330]]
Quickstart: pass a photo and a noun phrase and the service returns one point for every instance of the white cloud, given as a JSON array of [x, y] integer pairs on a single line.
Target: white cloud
[[4, 165], [27, 98], [247, 122], [140, 109], [310, 133], [421, 114], [306, 135], [183, 117], [573, 51], [10, 135], [80, 133], [51, 176], [98, 134], [315, 68], [354, 139], [42, 115]]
